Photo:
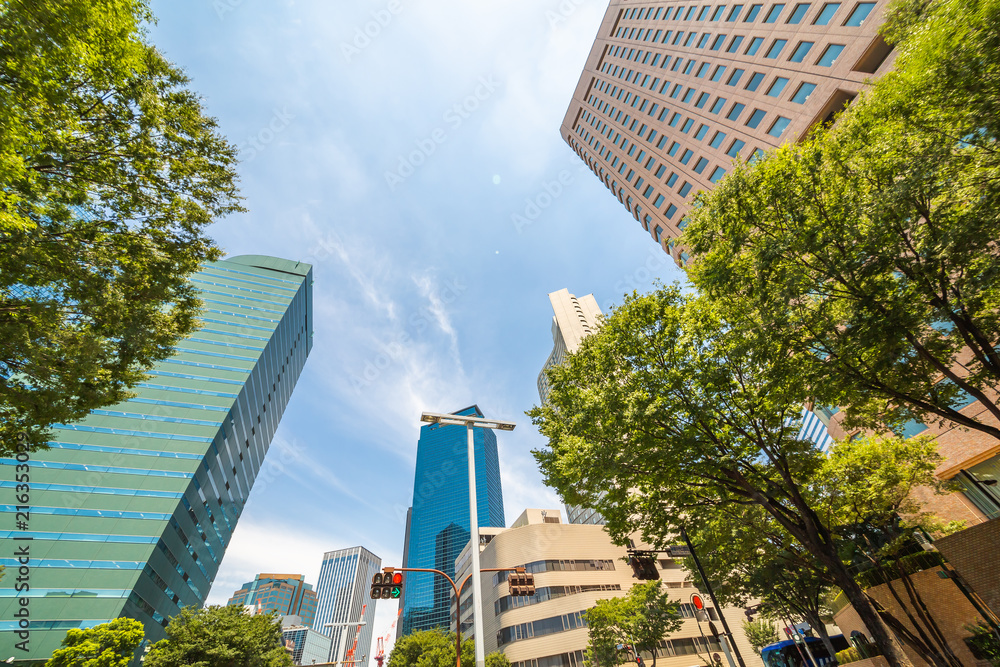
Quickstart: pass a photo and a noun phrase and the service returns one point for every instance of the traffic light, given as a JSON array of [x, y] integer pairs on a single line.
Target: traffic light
[[387, 586], [522, 584], [644, 568], [638, 660]]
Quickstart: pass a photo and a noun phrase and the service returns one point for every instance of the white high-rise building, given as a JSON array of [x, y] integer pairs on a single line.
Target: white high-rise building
[[343, 591], [574, 319]]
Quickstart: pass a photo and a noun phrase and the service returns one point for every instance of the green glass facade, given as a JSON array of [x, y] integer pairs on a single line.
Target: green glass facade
[[131, 510]]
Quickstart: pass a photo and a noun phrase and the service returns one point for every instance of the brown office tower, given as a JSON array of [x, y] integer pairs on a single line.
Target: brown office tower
[[673, 92]]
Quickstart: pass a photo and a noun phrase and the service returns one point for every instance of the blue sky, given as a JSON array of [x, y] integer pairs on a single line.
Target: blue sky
[[396, 162]]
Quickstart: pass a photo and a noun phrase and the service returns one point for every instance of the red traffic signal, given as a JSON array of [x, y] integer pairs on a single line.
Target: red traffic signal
[[698, 603], [387, 586], [521, 583]]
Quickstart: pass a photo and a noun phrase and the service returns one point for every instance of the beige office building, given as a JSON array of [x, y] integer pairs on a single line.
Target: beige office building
[[673, 92], [573, 319], [575, 565]]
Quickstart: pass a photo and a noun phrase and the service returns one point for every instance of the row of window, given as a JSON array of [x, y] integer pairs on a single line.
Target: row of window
[[670, 63], [155, 418], [508, 602], [574, 659], [81, 467], [78, 537], [123, 450], [559, 566], [138, 434], [79, 511], [73, 488], [177, 404], [541, 628], [825, 15]]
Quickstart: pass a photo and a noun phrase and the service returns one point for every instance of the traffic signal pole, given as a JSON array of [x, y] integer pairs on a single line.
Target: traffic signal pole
[[458, 599], [711, 594]]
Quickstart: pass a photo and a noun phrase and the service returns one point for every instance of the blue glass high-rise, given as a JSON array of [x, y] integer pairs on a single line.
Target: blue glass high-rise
[[132, 509], [439, 523]]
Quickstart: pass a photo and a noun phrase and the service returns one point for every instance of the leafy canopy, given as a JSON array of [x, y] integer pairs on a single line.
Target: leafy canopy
[[109, 174], [431, 648], [760, 633], [641, 618], [220, 637], [107, 645]]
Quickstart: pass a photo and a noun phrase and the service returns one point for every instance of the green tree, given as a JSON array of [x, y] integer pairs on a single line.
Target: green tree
[[671, 409], [870, 247], [107, 645], [497, 659], [641, 618], [748, 556], [220, 637], [109, 174], [760, 633], [431, 648]]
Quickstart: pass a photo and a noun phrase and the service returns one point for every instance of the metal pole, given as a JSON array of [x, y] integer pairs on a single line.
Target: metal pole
[[711, 594], [477, 580]]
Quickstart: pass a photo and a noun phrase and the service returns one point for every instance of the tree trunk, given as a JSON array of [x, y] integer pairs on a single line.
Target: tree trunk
[[820, 627], [933, 657], [891, 648], [926, 617]]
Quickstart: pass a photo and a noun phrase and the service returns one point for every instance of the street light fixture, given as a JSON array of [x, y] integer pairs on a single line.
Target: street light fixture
[[470, 423]]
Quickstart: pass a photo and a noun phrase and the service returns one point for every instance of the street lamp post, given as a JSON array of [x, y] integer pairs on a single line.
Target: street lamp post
[[344, 625], [477, 583]]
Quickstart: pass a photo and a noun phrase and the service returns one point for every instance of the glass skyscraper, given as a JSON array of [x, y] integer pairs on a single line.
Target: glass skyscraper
[[287, 594], [344, 583], [131, 510], [439, 524]]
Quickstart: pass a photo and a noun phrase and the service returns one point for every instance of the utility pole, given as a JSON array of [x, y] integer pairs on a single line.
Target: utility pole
[[711, 594]]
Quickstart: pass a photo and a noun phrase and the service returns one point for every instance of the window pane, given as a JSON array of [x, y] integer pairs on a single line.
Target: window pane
[[735, 77], [734, 13], [719, 103], [830, 56], [688, 154], [717, 44], [773, 14], [735, 44], [704, 40], [735, 148], [700, 134], [754, 46], [735, 112], [826, 14], [755, 118], [700, 165], [685, 189], [752, 14], [859, 14], [801, 51], [803, 93], [776, 48], [798, 13], [718, 12], [718, 173], [779, 126], [717, 139], [670, 211], [755, 81], [776, 87], [719, 71]]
